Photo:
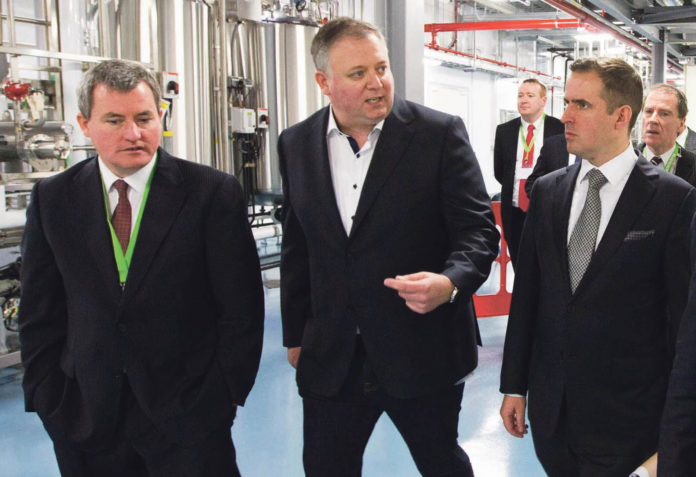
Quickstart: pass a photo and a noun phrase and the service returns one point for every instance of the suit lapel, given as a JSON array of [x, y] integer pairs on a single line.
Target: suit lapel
[[391, 147], [637, 193], [89, 217], [565, 187], [684, 168], [166, 198], [319, 169]]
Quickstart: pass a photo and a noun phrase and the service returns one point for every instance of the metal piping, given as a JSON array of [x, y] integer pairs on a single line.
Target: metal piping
[[436, 47], [536, 24]]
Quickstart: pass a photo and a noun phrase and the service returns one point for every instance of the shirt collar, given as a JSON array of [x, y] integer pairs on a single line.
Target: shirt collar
[[664, 156], [333, 126], [137, 180], [536, 123], [616, 169]]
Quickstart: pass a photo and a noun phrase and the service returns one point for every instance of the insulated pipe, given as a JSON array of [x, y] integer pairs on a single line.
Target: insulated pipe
[[535, 24], [436, 47]]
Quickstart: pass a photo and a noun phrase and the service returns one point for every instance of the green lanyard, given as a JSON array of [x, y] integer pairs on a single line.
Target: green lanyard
[[528, 147], [123, 261], [672, 157]]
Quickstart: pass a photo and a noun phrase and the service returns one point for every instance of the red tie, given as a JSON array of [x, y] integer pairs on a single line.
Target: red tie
[[121, 219], [528, 158]]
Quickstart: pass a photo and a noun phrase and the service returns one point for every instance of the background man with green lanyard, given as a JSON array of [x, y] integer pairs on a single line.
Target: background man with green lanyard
[[516, 149], [142, 305], [664, 114]]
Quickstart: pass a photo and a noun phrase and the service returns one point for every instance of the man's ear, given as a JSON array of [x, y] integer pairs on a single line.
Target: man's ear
[[323, 81], [82, 121]]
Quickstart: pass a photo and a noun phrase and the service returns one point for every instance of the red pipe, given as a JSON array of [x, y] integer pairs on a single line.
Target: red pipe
[[505, 25], [434, 46]]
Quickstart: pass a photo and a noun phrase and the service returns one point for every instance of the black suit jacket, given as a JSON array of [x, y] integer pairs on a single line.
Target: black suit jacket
[[691, 141], [606, 350], [505, 158], [686, 164], [677, 454], [553, 155], [187, 328], [423, 207]]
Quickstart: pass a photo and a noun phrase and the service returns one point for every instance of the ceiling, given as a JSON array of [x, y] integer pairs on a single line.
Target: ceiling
[[642, 25]]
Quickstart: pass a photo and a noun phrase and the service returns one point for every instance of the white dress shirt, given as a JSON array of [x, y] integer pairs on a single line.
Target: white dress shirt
[[616, 171], [525, 172], [649, 155], [348, 168], [136, 187]]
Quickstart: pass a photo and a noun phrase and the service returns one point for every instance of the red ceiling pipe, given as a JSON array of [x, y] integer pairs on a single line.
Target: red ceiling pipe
[[505, 25], [434, 46]]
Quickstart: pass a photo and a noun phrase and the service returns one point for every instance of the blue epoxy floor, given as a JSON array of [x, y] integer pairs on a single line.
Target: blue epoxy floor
[[268, 430]]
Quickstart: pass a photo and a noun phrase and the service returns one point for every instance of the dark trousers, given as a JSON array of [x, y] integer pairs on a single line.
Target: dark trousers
[[513, 236], [140, 450], [336, 429], [567, 453]]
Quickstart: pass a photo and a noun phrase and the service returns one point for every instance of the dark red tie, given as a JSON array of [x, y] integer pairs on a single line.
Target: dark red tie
[[121, 219], [528, 158]]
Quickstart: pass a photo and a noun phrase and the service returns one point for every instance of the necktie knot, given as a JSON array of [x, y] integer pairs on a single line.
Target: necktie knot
[[530, 132], [657, 160], [122, 187], [596, 179]]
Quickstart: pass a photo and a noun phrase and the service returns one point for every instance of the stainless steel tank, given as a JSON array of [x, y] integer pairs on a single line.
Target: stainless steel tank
[[271, 67]]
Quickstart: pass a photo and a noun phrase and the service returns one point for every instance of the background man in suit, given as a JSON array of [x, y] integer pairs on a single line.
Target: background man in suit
[[517, 144], [600, 288], [677, 451], [138, 346], [664, 115], [554, 155], [380, 196]]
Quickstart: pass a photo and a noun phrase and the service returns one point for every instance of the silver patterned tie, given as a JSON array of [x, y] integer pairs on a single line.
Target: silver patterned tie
[[584, 237]]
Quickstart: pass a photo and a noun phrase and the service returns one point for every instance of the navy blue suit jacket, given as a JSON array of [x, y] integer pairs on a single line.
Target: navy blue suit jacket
[[605, 351], [423, 207]]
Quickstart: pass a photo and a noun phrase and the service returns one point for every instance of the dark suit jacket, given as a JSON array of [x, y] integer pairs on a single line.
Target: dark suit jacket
[[677, 454], [187, 328], [691, 141], [553, 155], [686, 164], [605, 351], [423, 207], [504, 160]]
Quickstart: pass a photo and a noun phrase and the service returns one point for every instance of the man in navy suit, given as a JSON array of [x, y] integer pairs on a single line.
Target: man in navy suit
[[141, 314], [600, 288], [516, 148], [387, 233]]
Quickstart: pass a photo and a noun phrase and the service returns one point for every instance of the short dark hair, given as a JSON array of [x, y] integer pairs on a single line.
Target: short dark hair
[[682, 104], [335, 30], [622, 84], [542, 88], [119, 75]]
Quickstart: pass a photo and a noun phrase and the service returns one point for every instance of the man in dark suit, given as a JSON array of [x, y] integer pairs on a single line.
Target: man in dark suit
[[554, 155], [600, 288], [517, 145], [664, 115], [142, 305], [677, 450], [388, 231]]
